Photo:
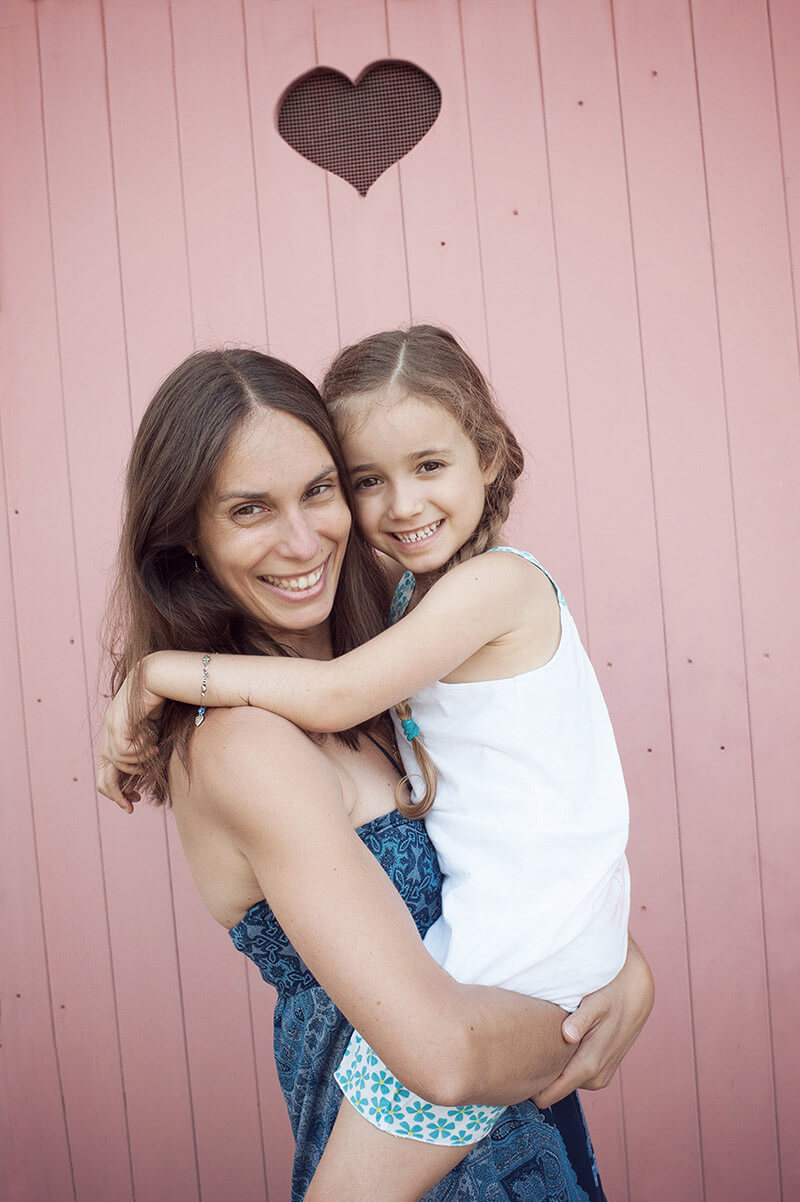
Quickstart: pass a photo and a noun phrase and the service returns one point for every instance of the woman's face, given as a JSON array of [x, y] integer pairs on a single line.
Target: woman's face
[[272, 529]]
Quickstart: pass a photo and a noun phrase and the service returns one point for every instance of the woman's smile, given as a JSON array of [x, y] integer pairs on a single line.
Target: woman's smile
[[309, 584]]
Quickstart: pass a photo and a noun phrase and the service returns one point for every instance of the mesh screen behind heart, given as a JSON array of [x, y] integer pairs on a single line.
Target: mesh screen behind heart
[[358, 131]]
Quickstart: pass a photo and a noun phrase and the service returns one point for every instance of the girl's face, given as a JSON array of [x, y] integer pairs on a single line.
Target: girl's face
[[272, 529], [420, 488]]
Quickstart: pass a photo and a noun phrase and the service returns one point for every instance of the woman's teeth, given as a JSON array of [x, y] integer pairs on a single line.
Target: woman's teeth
[[295, 584], [416, 535]]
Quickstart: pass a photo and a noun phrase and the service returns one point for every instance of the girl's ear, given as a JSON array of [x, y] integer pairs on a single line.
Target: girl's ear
[[489, 472]]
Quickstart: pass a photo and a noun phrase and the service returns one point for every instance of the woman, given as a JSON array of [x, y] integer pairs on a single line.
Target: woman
[[237, 538]]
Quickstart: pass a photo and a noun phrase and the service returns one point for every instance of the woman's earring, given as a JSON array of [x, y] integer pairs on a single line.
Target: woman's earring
[[196, 564]]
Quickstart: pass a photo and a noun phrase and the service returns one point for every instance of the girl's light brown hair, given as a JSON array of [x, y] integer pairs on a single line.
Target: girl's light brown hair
[[427, 362], [159, 600]]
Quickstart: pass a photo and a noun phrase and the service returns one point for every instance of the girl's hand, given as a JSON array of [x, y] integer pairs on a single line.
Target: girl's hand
[[604, 1026]]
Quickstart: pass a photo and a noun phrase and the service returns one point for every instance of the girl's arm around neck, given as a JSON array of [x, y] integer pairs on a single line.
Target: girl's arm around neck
[[475, 604], [273, 797]]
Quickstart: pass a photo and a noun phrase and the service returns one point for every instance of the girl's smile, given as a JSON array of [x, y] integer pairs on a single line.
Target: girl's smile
[[420, 488]]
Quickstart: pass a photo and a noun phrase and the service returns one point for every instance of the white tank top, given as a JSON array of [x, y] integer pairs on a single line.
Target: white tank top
[[530, 824]]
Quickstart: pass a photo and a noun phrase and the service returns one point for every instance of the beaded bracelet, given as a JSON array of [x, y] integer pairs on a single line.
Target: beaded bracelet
[[201, 712]]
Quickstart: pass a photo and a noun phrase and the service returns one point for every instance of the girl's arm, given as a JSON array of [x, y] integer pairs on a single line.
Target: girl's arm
[[474, 604], [277, 799]]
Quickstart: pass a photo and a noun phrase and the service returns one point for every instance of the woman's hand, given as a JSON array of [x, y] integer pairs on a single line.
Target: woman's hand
[[121, 752], [604, 1026]]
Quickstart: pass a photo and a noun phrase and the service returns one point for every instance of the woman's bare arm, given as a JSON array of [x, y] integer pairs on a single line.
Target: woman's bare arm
[[277, 798]]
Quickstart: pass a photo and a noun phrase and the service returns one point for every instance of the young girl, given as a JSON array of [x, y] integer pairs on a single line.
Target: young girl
[[498, 716]]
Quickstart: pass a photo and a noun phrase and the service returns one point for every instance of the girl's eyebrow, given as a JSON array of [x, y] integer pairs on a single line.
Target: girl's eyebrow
[[237, 495], [425, 453]]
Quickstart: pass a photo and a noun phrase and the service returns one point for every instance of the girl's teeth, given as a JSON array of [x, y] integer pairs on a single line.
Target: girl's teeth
[[295, 584], [418, 534]]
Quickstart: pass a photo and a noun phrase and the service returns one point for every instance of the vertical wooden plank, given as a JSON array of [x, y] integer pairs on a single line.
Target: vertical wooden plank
[[158, 328], [438, 193], [227, 301], [522, 304], [218, 175], [292, 194], [148, 192], [617, 522], [759, 351], [31, 1107], [368, 235], [45, 563], [781, 909], [219, 1042], [784, 19], [697, 550]]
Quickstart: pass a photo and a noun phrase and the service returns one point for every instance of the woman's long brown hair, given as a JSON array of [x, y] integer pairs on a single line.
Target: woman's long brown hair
[[159, 601]]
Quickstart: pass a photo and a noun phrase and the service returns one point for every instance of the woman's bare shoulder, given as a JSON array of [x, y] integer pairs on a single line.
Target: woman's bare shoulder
[[247, 763]]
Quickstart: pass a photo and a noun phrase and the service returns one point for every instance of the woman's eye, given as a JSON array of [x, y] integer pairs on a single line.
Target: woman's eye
[[320, 490], [367, 482], [247, 511], [430, 465]]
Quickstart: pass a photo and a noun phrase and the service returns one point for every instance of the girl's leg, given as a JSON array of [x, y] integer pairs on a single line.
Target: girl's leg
[[364, 1164]]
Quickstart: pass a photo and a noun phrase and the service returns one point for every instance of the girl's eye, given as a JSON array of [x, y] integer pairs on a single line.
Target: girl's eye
[[430, 465], [367, 482]]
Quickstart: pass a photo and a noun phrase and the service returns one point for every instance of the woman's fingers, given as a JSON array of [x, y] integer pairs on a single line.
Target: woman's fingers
[[109, 782]]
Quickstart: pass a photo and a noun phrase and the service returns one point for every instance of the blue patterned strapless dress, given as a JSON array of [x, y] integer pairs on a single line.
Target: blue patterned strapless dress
[[530, 1155]]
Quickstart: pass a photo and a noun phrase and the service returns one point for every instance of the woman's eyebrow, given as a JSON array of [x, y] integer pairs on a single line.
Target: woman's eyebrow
[[244, 495]]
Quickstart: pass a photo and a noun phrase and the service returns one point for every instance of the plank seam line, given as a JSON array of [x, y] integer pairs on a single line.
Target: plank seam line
[[660, 576], [481, 265], [793, 283], [560, 296], [181, 1003], [737, 553], [190, 291], [328, 205], [253, 159], [112, 166], [400, 184], [253, 1050], [179, 142]]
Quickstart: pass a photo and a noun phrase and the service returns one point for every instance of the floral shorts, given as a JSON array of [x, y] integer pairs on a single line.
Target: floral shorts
[[373, 1091]]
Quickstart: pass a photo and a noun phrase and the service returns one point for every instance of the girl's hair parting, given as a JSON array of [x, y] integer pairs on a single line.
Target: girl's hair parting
[[160, 599], [428, 363]]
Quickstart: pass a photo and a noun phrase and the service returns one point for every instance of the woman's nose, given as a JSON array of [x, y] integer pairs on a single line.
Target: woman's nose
[[299, 539]]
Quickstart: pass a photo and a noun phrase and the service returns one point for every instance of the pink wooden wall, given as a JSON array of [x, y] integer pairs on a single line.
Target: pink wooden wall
[[607, 211]]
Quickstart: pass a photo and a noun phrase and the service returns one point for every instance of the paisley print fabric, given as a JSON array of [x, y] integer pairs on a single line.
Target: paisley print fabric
[[402, 596], [530, 1155]]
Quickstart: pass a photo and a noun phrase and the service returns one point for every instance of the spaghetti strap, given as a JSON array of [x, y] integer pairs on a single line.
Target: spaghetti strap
[[530, 558], [398, 767]]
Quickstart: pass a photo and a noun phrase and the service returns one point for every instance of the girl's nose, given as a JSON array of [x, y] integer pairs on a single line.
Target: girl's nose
[[405, 502]]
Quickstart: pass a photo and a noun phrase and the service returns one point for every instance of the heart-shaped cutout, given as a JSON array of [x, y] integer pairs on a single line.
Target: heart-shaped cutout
[[358, 130]]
